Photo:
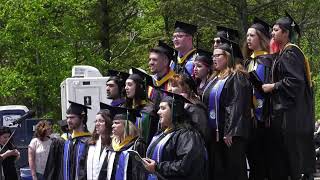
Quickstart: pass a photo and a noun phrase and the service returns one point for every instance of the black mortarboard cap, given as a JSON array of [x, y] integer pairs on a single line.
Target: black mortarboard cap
[[148, 80], [262, 26], [289, 23], [165, 49], [114, 73], [232, 47], [176, 101], [121, 113], [204, 56], [185, 27], [78, 109], [227, 33]]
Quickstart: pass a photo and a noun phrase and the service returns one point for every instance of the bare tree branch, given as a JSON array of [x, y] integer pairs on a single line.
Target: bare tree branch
[[265, 6], [125, 49]]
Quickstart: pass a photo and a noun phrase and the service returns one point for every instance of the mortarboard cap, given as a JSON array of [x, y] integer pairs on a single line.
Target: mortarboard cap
[[289, 23], [164, 49], [176, 103], [121, 113], [227, 33], [121, 75], [78, 109], [232, 47], [146, 78], [262, 26], [185, 27], [205, 57]]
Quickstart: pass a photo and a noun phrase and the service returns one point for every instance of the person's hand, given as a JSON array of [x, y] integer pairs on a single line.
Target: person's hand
[[267, 87], [228, 140], [149, 164]]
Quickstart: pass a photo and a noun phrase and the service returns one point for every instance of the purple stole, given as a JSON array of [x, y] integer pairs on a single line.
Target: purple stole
[[214, 99], [259, 98], [121, 172], [80, 147], [158, 150]]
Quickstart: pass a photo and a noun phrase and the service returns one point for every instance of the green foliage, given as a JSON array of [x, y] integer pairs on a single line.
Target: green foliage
[[42, 39]]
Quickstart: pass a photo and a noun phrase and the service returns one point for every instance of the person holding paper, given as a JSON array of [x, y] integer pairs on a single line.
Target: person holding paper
[[178, 151], [258, 63]]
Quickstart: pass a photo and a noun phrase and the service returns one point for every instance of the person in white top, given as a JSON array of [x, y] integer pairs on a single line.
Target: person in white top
[[38, 149], [99, 145]]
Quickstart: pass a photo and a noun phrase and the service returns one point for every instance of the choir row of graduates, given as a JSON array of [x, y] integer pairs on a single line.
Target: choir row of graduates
[[200, 115]]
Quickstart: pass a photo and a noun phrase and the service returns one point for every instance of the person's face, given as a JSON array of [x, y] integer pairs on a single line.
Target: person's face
[[49, 131], [253, 40], [220, 59], [164, 113], [118, 128], [74, 121], [278, 35], [4, 138], [112, 90], [157, 62], [130, 88], [200, 70], [100, 124], [216, 42], [180, 40]]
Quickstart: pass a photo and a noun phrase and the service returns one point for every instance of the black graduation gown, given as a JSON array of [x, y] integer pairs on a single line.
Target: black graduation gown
[[259, 140], [56, 159], [199, 119], [184, 156], [234, 118], [292, 122], [135, 170], [9, 166]]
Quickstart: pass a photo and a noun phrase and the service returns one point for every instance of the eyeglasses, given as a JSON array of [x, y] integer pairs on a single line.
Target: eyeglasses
[[179, 36], [216, 55]]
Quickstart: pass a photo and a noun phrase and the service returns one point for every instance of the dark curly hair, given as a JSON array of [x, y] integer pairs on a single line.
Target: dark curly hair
[[41, 129]]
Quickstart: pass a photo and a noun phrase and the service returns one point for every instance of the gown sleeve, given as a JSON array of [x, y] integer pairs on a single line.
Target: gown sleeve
[[53, 170], [187, 145], [237, 106], [291, 67]]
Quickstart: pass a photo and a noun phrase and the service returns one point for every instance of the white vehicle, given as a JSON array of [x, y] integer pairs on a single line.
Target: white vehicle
[[86, 86]]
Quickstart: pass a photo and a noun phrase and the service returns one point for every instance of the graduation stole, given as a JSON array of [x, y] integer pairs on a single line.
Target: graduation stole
[[163, 81], [260, 69], [156, 154], [306, 64], [80, 147], [189, 64], [95, 159], [214, 99], [118, 146], [121, 171], [144, 123]]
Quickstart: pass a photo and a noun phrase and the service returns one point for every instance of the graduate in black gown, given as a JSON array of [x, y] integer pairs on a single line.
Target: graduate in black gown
[[258, 63], [228, 97], [292, 122], [119, 164], [137, 98], [115, 87], [66, 157], [159, 65], [178, 151]]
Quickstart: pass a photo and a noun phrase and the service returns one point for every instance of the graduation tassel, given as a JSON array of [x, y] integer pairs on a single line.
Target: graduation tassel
[[217, 135], [127, 125]]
